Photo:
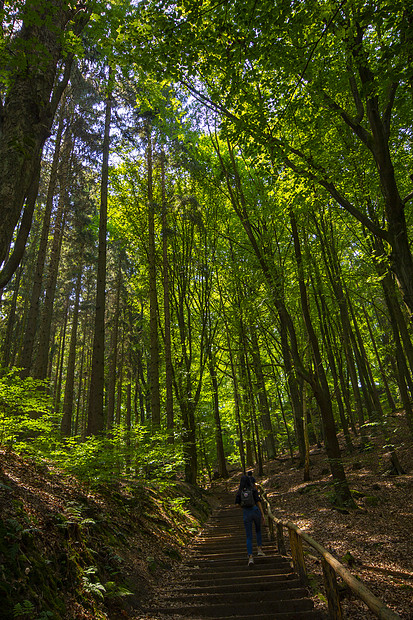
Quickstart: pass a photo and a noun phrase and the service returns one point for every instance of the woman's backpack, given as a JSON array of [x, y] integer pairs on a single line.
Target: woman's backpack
[[247, 497]]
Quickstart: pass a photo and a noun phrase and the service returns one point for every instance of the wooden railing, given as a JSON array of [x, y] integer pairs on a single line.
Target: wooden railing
[[331, 566]]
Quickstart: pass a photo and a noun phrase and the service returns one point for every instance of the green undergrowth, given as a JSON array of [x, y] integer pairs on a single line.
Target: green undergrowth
[[69, 552]]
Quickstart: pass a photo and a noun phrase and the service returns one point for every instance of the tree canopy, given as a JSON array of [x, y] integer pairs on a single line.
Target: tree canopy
[[205, 238]]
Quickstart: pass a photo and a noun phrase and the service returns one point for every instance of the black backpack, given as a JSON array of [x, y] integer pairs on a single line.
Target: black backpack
[[247, 497]]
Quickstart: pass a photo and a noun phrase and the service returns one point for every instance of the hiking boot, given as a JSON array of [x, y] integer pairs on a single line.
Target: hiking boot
[[260, 552], [250, 560]]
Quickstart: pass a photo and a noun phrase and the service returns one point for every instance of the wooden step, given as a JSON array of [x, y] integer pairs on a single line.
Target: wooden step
[[216, 582], [244, 573], [217, 587], [294, 615], [233, 598], [241, 608], [223, 560]]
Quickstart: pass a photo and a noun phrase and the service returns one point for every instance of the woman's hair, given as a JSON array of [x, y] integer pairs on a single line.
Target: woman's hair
[[244, 482]]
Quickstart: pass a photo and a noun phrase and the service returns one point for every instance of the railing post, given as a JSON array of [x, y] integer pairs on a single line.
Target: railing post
[[298, 556], [333, 599], [270, 527], [280, 539], [331, 567], [267, 512]]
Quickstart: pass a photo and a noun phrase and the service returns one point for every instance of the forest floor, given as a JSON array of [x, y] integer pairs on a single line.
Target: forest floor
[[74, 552], [375, 541]]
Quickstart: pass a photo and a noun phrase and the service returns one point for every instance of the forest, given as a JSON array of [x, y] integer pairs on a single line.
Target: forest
[[205, 267], [205, 235]]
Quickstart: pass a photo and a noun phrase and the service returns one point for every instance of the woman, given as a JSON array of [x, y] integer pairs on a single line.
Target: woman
[[252, 513]]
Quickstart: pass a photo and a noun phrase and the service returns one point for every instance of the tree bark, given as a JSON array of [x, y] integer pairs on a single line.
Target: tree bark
[[66, 422], [169, 405], [25, 358], [389, 395], [43, 348], [7, 355], [153, 295], [31, 102], [222, 466], [320, 387], [265, 415], [114, 349], [60, 358], [95, 420]]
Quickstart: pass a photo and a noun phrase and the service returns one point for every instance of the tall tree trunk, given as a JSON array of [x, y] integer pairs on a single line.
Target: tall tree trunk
[[377, 404], [246, 414], [344, 386], [189, 441], [294, 391], [290, 447], [80, 390], [119, 379], [265, 415], [153, 295], [320, 386], [390, 296], [389, 396], [114, 349], [377, 410], [30, 104], [6, 349], [222, 466], [333, 269], [95, 419], [324, 328], [234, 381], [43, 348], [237, 406], [256, 436], [337, 391], [306, 476], [60, 359], [66, 422], [128, 413], [25, 358], [404, 378], [169, 405], [274, 281]]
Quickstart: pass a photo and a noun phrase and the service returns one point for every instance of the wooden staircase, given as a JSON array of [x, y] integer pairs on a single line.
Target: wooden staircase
[[215, 581]]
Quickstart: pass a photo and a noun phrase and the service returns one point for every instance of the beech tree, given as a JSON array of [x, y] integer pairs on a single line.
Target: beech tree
[[39, 38], [347, 94]]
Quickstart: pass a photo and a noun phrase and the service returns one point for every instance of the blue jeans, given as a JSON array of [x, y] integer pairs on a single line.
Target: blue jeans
[[251, 515]]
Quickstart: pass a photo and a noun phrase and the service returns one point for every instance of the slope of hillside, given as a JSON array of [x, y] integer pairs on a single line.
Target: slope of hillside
[[71, 552], [75, 553], [375, 541]]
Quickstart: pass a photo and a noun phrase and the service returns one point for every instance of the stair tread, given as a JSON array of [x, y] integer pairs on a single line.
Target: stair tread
[[235, 586], [224, 610], [229, 597], [216, 572]]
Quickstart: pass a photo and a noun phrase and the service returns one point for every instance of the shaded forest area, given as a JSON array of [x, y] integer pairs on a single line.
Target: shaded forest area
[[373, 542], [69, 551], [74, 551], [205, 236]]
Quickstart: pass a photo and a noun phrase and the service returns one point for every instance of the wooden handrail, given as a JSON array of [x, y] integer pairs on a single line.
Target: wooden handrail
[[360, 590]]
